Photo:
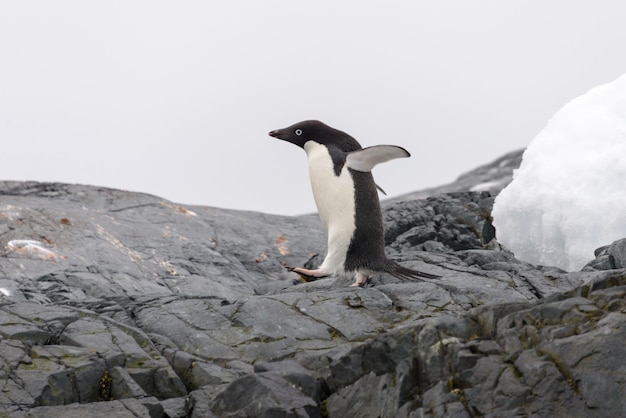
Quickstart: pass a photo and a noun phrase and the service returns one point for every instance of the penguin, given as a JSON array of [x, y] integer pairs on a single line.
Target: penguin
[[347, 201]]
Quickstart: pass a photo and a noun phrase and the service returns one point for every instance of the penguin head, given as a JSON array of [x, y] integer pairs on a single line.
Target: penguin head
[[314, 130], [302, 132]]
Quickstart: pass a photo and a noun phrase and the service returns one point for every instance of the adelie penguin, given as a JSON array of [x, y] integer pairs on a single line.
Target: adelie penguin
[[347, 201]]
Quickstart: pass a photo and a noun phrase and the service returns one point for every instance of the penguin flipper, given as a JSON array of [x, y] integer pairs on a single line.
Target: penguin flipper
[[366, 159]]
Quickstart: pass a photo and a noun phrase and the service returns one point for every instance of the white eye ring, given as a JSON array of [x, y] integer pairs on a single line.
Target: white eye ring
[[298, 132]]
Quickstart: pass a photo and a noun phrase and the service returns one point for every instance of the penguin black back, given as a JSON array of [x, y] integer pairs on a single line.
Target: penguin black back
[[367, 247]]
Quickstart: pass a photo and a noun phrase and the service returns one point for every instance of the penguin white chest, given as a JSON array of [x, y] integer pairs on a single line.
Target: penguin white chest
[[334, 197]]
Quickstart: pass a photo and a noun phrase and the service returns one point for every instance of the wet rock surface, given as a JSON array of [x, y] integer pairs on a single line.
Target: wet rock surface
[[122, 304]]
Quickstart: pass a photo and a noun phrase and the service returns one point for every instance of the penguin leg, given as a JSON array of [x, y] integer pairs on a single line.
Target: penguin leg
[[360, 279], [306, 273]]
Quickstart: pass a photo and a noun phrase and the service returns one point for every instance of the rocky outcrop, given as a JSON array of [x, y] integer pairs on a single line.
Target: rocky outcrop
[[557, 357], [491, 177], [609, 257], [122, 304]]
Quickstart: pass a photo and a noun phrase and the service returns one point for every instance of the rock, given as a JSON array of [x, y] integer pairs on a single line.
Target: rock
[[123, 386], [601, 262], [142, 408], [609, 257], [115, 303], [491, 177], [527, 364], [459, 221], [263, 395], [174, 407], [617, 251], [297, 375]]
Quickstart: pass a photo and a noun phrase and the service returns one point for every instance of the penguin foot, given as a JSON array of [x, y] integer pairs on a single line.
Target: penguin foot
[[360, 280], [308, 275]]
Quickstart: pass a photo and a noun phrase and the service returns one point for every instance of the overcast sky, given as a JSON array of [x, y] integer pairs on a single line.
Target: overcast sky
[[176, 98]]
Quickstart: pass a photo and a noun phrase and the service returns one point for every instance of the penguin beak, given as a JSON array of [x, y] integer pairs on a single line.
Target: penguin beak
[[275, 133]]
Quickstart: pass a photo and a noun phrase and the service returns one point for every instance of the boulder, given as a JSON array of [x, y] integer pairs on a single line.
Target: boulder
[[609, 257]]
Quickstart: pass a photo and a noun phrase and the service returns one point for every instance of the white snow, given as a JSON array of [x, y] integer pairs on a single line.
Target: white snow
[[569, 195]]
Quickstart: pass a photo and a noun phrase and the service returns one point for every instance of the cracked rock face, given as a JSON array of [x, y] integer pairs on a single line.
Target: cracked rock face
[[122, 304]]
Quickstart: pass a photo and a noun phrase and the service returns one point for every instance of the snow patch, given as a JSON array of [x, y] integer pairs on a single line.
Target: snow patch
[[569, 195]]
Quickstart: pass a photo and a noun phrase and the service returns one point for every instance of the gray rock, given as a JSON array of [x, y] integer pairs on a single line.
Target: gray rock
[[123, 386], [602, 262], [196, 372], [617, 251], [164, 310], [200, 400], [491, 177], [174, 407], [264, 395], [297, 375], [131, 408], [459, 221], [522, 364], [609, 257]]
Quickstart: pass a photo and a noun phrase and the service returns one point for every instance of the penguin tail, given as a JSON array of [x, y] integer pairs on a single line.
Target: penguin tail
[[401, 272]]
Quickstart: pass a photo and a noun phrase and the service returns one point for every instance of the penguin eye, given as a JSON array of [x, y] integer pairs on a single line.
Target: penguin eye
[[298, 132]]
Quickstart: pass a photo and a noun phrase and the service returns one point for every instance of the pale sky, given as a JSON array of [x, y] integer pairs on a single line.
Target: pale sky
[[176, 98]]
